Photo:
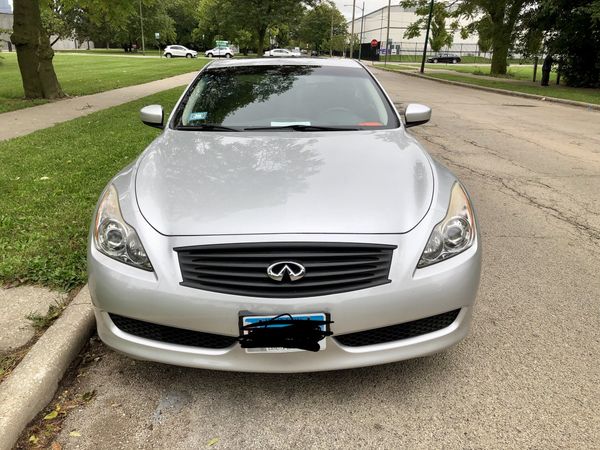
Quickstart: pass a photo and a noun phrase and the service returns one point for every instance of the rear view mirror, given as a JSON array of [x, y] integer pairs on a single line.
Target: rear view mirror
[[417, 114], [153, 116]]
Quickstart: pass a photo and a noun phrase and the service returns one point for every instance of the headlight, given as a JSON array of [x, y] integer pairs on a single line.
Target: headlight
[[114, 237], [454, 234]]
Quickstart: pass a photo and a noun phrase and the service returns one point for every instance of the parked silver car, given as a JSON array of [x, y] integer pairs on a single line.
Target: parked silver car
[[284, 221]]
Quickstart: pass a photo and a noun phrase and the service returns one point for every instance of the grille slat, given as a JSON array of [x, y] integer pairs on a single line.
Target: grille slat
[[241, 269], [171, 335], [398, 332]]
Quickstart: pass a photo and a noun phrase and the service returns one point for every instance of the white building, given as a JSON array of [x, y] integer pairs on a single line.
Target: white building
[[374, 26]]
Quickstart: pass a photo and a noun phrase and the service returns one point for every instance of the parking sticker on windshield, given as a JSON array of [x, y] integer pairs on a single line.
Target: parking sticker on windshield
[[198, 116]]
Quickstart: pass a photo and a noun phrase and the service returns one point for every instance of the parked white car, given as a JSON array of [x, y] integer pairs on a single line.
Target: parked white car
[[179, 50], [227, 52], [281, 53]]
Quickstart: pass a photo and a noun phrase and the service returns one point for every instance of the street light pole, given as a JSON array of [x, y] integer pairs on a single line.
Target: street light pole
[[387, 38], [352, 31], [331, 35], [362, 19], [427, 37], [142, 27]]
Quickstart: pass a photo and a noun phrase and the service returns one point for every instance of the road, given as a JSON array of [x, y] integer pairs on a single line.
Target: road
[[527, 376]]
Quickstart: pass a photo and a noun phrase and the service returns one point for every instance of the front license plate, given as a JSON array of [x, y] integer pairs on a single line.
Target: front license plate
[[247, 320]]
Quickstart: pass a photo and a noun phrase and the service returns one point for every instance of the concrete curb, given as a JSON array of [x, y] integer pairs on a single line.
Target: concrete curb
[[32, 385], [496, 90]]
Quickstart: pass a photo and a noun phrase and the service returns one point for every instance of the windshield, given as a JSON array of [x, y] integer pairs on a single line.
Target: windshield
[[299, 97]]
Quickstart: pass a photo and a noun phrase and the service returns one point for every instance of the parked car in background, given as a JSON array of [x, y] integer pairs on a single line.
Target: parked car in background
[[281, 53], [226, 52], [179, 50], [444, 58]]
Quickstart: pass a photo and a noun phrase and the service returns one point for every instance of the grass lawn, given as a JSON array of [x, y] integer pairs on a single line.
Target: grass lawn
[[578, 94], [89, 74], [50, 182]]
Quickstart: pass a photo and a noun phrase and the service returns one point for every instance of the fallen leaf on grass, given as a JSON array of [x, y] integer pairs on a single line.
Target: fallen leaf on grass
[[75, 434], [33, 439], [212, 442]]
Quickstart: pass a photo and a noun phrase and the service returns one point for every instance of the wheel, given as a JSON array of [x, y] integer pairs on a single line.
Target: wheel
[[210, 55], [435, 61], [227, 55], [168, 55], [454, 61], [189, 55]]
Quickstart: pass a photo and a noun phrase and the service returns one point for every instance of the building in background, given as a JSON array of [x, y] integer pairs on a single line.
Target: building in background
[[375, 27]]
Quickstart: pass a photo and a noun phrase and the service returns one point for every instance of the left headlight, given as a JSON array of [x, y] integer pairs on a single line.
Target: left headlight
[[116, 238], [454, 234]]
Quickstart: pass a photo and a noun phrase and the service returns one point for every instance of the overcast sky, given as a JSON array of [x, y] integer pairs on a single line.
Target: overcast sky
[[370, 5]]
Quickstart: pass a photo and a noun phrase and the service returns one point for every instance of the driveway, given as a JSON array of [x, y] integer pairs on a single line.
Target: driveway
[[527, 376]]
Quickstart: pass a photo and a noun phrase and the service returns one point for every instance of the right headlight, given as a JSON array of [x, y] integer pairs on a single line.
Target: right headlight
[[116, 238], [454, 234]]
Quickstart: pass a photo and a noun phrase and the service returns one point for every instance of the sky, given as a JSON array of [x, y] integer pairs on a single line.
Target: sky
[[370, 5]]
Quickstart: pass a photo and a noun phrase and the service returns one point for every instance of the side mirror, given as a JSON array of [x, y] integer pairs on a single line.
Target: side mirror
[[416, 114], [153, 116]]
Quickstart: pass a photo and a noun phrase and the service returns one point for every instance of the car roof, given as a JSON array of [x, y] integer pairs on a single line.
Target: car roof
[[327, 62]]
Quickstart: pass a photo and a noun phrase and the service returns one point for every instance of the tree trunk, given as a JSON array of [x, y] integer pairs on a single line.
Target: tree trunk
[[26, 38], [500, 45], [48, 79], [261, 41], [34, 53]]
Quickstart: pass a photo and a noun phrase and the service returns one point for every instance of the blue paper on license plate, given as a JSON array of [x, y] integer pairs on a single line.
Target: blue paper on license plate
[[247, 320]]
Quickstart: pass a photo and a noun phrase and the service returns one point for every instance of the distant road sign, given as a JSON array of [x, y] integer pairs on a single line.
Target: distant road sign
[[374, 43], [157, 35]]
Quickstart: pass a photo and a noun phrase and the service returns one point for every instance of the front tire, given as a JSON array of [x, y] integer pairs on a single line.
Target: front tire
[[454, 61], [435, 61], [228, 55], [168, 55], [189, 55], [210, 55]]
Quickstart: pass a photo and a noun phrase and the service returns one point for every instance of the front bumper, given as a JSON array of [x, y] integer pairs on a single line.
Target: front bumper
[[159, 298]]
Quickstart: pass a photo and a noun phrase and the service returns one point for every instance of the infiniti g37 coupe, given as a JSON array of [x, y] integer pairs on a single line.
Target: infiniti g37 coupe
[[284, 221]]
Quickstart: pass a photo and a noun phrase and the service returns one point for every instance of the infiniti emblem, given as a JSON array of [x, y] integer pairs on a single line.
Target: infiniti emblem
[[279, 270]]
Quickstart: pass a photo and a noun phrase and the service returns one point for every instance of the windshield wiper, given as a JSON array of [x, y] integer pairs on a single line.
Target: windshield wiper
[[206, 127], [299, 127]]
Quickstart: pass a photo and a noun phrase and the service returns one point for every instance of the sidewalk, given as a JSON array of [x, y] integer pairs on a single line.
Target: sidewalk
[[24, 121]]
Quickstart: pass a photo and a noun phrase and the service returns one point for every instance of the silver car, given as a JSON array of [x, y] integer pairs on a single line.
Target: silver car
[[284, 221]]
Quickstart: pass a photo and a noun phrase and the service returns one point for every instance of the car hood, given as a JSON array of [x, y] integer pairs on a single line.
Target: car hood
[[207, 183]]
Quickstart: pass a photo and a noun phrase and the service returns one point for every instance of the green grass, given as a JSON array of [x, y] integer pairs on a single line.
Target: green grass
[[50, 182], [417, 58], [518, 82], [564, 92], [89, 74]]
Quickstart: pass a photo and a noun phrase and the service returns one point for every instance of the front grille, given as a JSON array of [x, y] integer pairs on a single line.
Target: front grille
[[171, 335], [241, 269], [398, 332]]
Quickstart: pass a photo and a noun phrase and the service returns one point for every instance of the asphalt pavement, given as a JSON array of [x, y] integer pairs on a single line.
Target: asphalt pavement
[[527, 376]]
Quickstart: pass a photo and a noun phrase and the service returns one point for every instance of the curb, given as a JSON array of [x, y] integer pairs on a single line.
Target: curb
[[33, 383], [497, 90]]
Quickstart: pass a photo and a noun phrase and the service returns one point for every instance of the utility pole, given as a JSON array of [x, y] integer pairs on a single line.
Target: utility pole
[[352, 32], [331, 35], [427, 37], [387, 39], [142, 27], [362, 19]]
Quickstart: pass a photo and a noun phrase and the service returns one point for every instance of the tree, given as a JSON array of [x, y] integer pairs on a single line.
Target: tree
[[34, 53], [316, 27], [440, 37], [570, 30], [499, 18]]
